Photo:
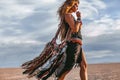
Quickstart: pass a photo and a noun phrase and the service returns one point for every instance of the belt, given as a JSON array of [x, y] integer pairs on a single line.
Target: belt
[[76, 40]]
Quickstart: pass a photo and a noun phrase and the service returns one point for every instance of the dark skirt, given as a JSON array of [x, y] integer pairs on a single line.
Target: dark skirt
[[43, 66], [73, 56]]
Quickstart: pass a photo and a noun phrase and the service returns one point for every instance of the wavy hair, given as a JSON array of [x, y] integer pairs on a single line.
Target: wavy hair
[[62, 10]]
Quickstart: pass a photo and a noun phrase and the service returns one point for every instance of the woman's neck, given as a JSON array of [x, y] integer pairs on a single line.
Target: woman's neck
[[70, 12]]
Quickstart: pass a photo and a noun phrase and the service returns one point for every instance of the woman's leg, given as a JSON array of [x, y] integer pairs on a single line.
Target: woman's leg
[[70, 60], [63, 75], [83, 67]]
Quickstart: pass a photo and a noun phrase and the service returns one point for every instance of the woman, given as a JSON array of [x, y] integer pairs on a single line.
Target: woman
[[74, 51], [61, 59]]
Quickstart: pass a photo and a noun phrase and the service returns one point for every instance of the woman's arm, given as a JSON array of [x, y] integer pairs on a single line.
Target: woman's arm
[[75, 26], [78, 14]]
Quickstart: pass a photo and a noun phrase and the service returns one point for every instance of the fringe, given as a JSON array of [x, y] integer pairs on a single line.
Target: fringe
[[43, 66]]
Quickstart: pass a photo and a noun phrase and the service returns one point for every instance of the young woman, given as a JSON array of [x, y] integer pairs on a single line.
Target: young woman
[[74, 51], [70, 30]]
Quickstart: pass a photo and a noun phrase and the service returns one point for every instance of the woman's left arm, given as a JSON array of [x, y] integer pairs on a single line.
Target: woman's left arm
[[78, 14]]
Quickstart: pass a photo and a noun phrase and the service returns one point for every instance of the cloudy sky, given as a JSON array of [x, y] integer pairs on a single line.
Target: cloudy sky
[[26, 25]]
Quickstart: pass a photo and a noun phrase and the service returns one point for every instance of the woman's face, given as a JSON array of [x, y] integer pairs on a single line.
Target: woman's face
[[75, 7]]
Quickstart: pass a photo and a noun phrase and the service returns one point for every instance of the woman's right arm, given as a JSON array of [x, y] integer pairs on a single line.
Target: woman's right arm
[[73, 25]]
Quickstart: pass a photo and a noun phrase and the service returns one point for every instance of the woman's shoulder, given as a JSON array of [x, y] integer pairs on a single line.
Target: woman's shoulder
[[68, 16]]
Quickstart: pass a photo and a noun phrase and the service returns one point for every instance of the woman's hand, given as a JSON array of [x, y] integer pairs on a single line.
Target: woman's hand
[[75, 26], [78, 14]]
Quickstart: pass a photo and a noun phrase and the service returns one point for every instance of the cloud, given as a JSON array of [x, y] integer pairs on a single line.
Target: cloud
[[14, 55], [25, 27], [90, 9], [103, 48], [21, 9], [20, 17], [15, 40], [104, 25], [99, 54], [10, 9]]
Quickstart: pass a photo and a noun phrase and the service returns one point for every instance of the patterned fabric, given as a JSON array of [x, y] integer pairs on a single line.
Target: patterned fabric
[[55, 58], [73, 58], [73, 35], [43, 66]]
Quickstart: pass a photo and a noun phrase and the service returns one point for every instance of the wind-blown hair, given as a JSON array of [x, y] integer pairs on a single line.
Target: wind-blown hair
[[64, 9]]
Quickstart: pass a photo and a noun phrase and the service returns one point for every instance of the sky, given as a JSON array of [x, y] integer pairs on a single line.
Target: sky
[[27, 25]]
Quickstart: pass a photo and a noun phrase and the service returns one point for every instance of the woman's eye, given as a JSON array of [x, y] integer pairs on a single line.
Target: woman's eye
[[75, 5]]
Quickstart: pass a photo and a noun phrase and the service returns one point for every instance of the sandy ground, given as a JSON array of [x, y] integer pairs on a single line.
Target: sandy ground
[[109, 71]]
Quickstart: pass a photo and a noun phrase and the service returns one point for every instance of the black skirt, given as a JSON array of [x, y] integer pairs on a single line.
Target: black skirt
[[73, 56]]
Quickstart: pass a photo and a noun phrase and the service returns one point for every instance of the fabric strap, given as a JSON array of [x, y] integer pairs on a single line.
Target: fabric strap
[[67, 37]]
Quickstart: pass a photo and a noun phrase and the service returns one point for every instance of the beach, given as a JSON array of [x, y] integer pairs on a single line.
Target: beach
[[106, 71]]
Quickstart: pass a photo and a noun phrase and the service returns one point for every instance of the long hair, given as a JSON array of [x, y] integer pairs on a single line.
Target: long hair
[[62, 10]]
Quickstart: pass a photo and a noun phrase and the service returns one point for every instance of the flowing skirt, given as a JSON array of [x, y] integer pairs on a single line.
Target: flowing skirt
[[73, 58], [54, 59]]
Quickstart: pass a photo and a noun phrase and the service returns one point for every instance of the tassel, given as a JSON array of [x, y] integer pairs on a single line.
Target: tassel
[[51, 51]]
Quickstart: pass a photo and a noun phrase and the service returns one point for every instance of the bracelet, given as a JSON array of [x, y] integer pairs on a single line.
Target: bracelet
[[79, 19]]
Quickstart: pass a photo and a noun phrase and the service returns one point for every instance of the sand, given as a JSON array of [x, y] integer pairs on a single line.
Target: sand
[[109, 71]]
